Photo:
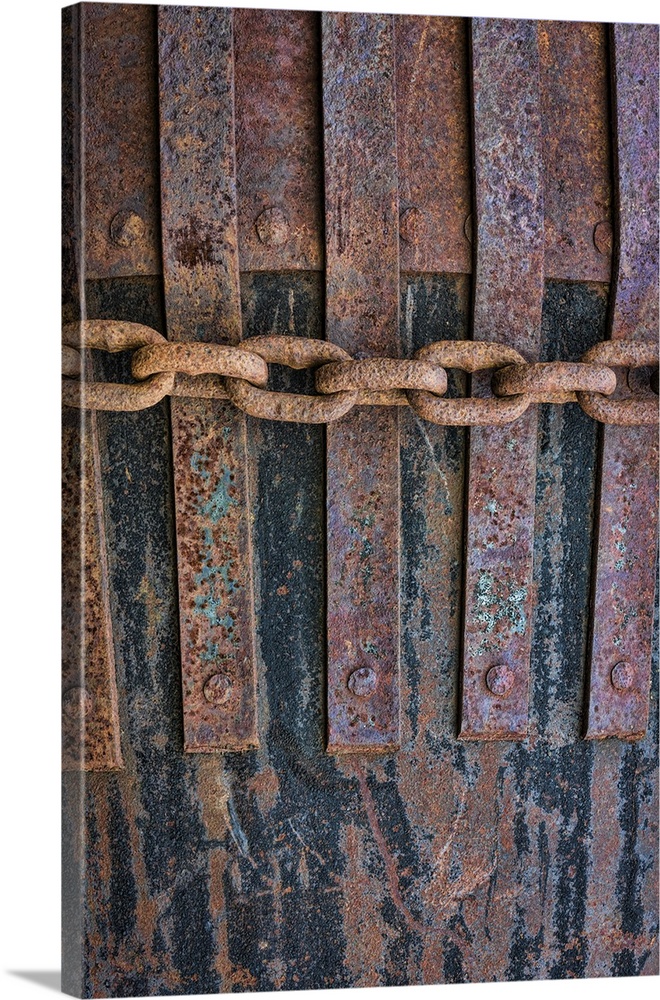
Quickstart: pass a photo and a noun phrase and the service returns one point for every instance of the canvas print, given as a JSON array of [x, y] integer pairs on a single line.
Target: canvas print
[[360, 492]]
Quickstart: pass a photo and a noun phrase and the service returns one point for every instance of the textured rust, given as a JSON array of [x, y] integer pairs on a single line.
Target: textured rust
[[433, 141], [620, 412], [278, 140], [381, 373], [289, 406], [362, 316], [498, 589], [90, 720], [553, 377], [202, 300], [120, 140], [576, 150], [200, 359], [293, 352], [112, 336], [467, 412], [467, 356], [287, 868], [624, 570]]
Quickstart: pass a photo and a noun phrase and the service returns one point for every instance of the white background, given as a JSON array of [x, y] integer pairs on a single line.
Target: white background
[[29, 492]]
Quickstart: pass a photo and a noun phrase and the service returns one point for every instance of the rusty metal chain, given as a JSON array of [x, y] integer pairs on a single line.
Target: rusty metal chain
[[240, 373]]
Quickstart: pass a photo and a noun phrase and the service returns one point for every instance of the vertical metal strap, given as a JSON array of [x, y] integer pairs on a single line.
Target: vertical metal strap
[[202, 299], [433, 144], [362, 288], [90, 718], [628, 514], [508, 299], [278, 140], [120, 160]]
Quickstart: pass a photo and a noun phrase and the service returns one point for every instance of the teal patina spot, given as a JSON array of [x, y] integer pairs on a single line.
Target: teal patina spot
[[211, 653], [220, 501], [198, 463]]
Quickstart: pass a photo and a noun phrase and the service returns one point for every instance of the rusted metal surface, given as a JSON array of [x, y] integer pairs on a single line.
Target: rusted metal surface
[[200, 359], [112, 336], [382, 373], [576, 150], [433, 141], [469, 356], [624, 572], [290, 868], [639, 402], [118, 61], [297, 353], [192, 369], [498, 586], [90, 720], [278, 140], [362, 317], [554, 377], [202, 301]]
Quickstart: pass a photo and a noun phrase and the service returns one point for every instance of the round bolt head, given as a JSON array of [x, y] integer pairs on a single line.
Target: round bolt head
[[499, 680], [77, 701], [467, 228], [272, 227], [603, 237], [411, 224], [127, 229], [362, 682], [622, 676], [218, 689]]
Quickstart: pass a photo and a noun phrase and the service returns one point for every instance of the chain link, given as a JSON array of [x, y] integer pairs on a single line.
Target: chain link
[[240, 373]]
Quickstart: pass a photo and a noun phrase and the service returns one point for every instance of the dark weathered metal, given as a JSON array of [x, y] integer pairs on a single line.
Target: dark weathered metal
[[202, 300], [90, 716], [120, 139], [288, 868], [362, 316], [90, 719], [433, 142], [278, 140], [576, 150], [507, 308], [624, 573]]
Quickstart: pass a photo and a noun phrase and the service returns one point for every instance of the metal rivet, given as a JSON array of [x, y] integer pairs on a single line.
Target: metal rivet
[[411, 224], [603, 237], [467, 228], [126, 229], [622, 676], [499, 679], [272, 227], [362, 682], [77, 701], [218, 689]]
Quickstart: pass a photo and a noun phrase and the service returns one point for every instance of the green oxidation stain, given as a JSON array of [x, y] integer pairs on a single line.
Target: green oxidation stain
[[218, 504], [214, 584], [198, 466], [369, 647], [211, 653], [493, 606]]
